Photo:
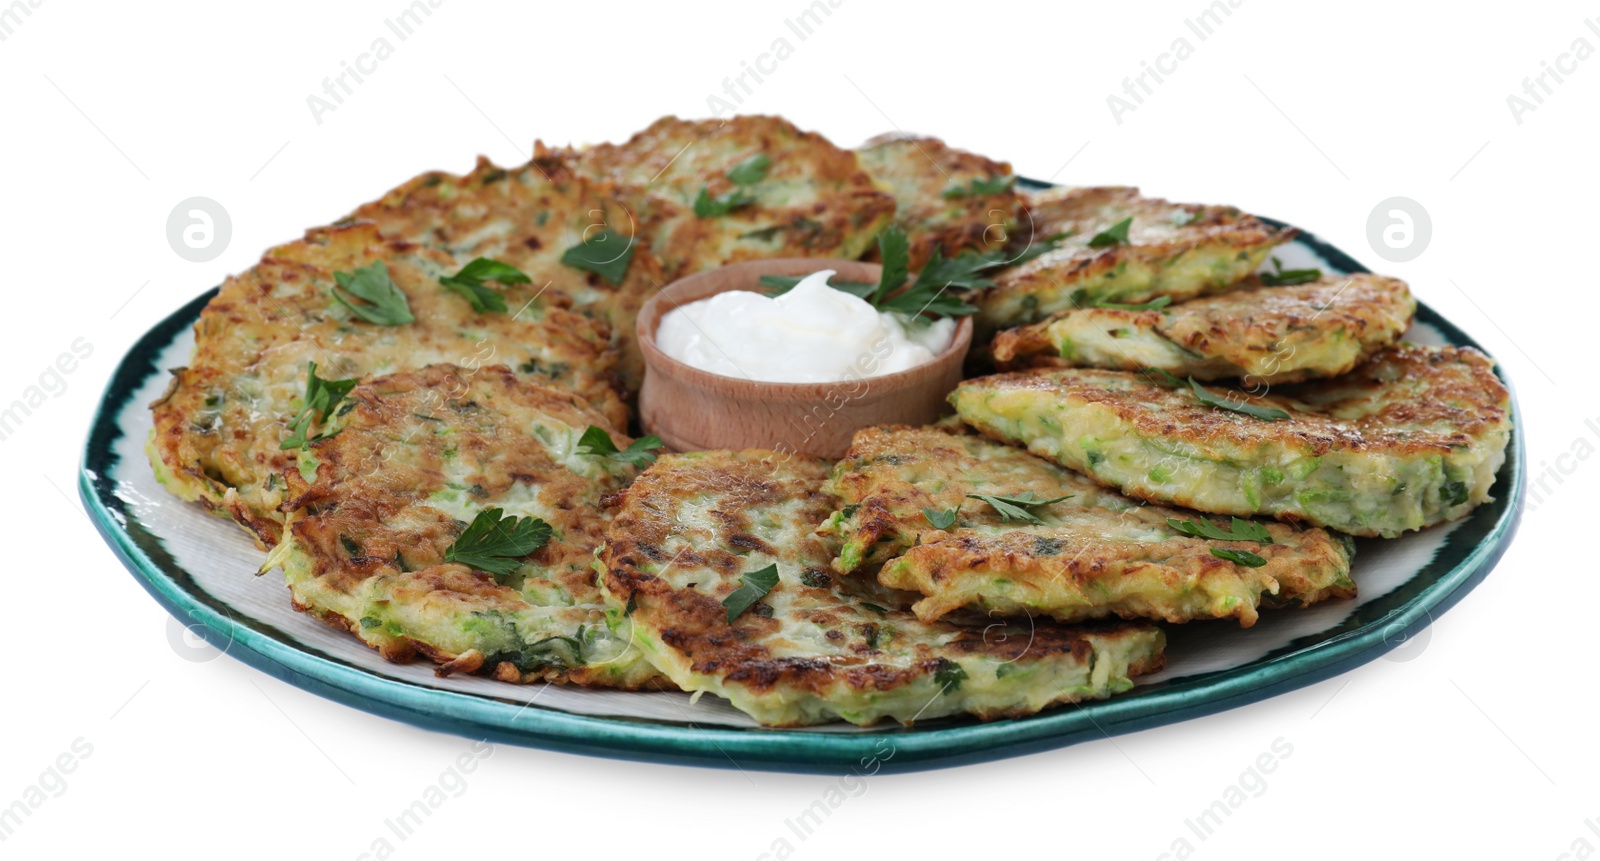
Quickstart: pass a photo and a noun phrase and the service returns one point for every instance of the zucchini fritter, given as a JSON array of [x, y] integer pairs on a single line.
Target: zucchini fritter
[[810, 651], [944, 197], [412, 459], [219, 426], [529, 217], [1094, 555], [812, 199], [1259, 333], [1412, 437], [1178, 250]]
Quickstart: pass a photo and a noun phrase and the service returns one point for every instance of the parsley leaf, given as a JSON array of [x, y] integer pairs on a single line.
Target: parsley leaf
[[750, 171], [895, 251], [1212, 399], [497, 543], [963, 271], [1288, 277], [1243, 530], [980, 187], [1017, 507], [321, 396], [1162, 377], [936, 292], [1116, 234], [706, 206], [596, 442], [931, 293], [371, 294], [1239, 557], [941, 519], [948, 676], [756, 585], [607, 253], [469, 283], [1155, 304]]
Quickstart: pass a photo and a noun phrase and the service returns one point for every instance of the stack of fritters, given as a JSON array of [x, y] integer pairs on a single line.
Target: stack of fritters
[[1256, 332], [1412, 437], [1095, 553], [361, 403], [1120, 247]]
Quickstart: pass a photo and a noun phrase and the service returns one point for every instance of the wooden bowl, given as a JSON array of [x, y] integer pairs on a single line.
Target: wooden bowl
[[695, 410]]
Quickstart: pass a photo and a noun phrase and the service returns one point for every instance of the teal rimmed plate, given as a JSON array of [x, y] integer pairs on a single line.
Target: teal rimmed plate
[[201, 569]]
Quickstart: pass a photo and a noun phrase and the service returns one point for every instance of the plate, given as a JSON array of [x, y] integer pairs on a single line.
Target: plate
[[201, 568]]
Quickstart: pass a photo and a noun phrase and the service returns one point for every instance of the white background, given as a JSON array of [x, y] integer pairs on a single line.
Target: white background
[[1481, 744]]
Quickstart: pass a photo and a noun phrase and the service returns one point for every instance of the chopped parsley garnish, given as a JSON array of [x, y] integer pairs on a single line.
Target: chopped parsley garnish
[[1243, 530], [937, 291], [1155, 304], [1239, 557], [469, 283], [941, 519], [606, 253], [372, 295], [497, 543], [321, 397], [894, 249], [1162, 377], [1288, 277], [931, 293], [963, 271], [750, 171], [949, 675], [1019, 507], [595, 441], [706, 206], [755, 586], [980, 187], [1116, 234], [1212, 399]]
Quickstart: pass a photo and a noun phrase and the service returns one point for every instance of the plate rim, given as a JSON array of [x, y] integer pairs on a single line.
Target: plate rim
[[804, 751]]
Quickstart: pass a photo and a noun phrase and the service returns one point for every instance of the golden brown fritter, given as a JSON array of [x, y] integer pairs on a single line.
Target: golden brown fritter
[[219, 427], [529, 217], [1092, 555], [1177, 250], [944, 197], [812, 200], [1412, 437], [690, 529], [1262, 334], [413, 458]]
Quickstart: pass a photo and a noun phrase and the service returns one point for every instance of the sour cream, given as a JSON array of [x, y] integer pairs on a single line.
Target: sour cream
[[811, 334]]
